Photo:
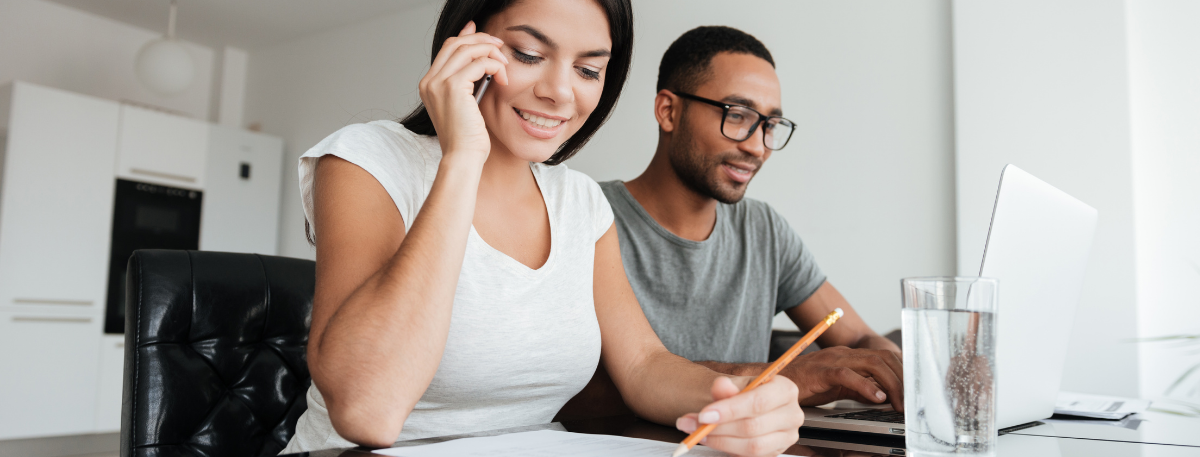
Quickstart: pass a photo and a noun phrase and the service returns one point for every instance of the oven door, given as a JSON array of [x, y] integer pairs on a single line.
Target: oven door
[[146, 216]]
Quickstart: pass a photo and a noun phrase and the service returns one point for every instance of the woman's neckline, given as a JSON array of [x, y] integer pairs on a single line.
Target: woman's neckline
[[513, 263]]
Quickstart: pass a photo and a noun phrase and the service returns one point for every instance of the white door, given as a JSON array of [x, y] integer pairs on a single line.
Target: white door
[[242, 191], [161, 148]]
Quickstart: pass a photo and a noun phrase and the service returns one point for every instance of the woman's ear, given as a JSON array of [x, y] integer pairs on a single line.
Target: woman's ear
[[668, 109]]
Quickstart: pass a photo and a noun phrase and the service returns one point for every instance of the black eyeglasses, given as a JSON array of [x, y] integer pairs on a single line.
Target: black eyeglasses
[[738, 123]]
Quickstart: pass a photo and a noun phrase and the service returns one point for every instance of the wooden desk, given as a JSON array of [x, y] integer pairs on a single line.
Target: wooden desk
[[826, 444]]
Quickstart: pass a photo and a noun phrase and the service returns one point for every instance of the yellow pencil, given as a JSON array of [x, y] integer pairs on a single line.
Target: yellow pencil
[[691, 441]]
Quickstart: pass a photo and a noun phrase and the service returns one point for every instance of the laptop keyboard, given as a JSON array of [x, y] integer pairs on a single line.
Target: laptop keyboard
[[876, 415]]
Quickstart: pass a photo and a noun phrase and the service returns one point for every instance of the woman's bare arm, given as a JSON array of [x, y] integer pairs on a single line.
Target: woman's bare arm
[[381, 309], [383, 300], [633, 354]]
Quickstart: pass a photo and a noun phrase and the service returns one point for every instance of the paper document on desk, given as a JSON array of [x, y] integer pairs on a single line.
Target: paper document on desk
[[1098, 406], [548, 443]]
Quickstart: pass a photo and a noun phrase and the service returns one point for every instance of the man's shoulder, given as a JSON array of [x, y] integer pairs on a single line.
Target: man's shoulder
[[609, 186], [613, 190], [753, 212]]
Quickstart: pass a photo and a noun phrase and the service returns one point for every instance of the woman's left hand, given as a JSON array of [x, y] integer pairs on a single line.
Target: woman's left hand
[[762, 422]]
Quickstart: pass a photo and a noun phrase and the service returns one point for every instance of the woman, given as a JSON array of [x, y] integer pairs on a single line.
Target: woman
[[464, 281]]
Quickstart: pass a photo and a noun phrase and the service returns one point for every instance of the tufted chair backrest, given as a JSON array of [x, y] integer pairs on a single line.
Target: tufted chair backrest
[[214, 353]]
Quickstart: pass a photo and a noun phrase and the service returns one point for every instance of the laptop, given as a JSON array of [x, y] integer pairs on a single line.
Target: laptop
[[1037, 247]]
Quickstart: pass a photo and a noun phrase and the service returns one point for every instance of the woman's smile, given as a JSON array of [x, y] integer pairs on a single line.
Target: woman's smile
[[540, 125]]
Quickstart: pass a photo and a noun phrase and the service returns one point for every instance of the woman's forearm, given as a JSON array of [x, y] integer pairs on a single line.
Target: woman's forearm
[[379, 351], [671, 386]]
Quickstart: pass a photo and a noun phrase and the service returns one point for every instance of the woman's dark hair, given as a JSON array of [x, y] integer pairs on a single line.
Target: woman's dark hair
[[457, 13]]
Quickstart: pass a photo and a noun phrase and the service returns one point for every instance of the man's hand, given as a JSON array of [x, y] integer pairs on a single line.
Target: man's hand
[[836, 373]]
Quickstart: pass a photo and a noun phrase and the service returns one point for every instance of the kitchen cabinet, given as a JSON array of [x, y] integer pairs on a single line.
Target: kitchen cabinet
[[241, 195], [55, 216], [161, 148], [55, 200], [50, 363], [112, 368]]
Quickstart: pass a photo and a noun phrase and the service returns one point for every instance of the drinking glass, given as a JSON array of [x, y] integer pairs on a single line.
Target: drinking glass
[[949, 332]]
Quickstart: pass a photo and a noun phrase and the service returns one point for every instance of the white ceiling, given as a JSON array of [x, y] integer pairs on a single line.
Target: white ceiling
[[242, 23]]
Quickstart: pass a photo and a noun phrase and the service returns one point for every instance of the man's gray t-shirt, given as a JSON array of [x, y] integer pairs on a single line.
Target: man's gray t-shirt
[[714, 299]]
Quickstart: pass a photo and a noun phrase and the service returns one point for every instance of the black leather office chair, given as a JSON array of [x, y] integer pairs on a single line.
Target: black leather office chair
[[214, 353]]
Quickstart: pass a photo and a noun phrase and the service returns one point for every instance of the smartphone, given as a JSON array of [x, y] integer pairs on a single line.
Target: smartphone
[[481, 87]]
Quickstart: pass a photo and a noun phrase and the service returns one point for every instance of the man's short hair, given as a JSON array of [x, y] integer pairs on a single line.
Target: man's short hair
[[687, 63]]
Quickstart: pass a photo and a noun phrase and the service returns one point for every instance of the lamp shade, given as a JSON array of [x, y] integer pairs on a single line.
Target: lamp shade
[[165, 66]]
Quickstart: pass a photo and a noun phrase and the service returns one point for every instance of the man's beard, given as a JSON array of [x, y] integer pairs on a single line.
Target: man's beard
[[696, 170]]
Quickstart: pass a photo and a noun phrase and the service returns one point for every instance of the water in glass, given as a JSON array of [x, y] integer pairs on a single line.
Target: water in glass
[[950, 383]]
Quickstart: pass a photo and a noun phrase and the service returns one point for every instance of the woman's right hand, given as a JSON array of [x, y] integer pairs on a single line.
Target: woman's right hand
[[762, 422], [447, 90]]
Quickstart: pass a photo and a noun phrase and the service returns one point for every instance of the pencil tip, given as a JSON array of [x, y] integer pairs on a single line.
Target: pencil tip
[[681, 450]]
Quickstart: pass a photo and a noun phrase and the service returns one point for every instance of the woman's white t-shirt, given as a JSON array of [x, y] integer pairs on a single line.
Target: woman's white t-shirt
[[522, 341]]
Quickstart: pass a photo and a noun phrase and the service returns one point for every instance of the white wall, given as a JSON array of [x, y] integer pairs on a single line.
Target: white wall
[[1164, 74], [1043, 85], [305, 89], [231, 90], [867, 180], [53, 45]]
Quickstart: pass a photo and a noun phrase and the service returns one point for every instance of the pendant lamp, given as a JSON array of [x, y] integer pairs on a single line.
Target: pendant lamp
[[164, 65]]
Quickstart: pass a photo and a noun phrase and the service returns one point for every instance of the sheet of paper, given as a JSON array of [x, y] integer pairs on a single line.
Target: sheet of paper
[[1098, 406], [548, 443], [1131, 422]]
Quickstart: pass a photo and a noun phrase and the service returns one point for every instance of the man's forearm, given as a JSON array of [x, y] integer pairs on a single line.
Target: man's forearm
[[875, 341]]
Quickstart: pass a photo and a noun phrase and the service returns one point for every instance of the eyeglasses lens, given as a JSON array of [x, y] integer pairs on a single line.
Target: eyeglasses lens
[[777, 132], [738, 122]]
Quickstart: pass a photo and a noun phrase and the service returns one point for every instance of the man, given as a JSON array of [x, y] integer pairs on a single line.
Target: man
[[712, 269]]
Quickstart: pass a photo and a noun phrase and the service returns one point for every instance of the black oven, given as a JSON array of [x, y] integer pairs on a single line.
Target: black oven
[[146, 216]]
